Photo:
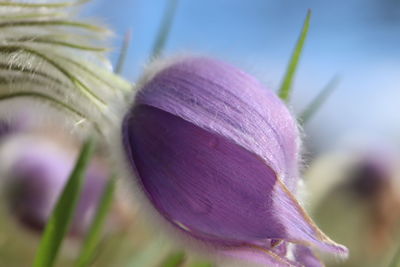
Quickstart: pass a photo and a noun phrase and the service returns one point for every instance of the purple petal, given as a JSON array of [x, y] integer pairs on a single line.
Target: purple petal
[[306, 257], [212, 188], [277, 246], [298, 225], [222, 99], [201, 181]]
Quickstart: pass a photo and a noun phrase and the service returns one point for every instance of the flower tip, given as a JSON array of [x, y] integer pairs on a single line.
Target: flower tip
[[340, 251]]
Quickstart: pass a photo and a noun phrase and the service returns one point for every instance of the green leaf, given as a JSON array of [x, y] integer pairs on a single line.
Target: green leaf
[[123, 53], [60, 219], [165, 28], [286, 87], [174, 260], [318, 101], [93, 237]]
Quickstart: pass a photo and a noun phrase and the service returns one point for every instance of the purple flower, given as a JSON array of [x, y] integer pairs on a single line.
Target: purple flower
[[35, 174], [217, 155]]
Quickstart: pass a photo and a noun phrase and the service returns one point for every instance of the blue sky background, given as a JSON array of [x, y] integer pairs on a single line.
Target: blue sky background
[[357, 39]]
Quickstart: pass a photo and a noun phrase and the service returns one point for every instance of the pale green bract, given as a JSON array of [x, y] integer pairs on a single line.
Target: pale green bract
[[46, 55]]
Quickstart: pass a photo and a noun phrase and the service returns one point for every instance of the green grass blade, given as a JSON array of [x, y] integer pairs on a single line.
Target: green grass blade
[[286, 87], [123, 53], [60, 219], [174, 260], [93, 236], [165, 28], [318, 101]]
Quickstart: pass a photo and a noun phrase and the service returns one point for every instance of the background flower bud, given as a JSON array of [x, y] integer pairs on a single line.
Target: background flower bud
[[35, 163], [360, 189], [217, 155], [35, 170]]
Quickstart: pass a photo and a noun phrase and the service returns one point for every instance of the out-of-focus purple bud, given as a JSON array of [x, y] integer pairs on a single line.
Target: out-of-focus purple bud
[[364, 194], [36, 170], [369, 176], [217, 155]]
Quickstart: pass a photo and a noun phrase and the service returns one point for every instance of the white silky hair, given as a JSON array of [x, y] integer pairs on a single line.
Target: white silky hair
[[50, 57]]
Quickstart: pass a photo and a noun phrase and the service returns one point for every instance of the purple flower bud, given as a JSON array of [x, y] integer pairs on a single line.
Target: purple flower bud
[[217, 155], [369, 177], [35, 174]]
